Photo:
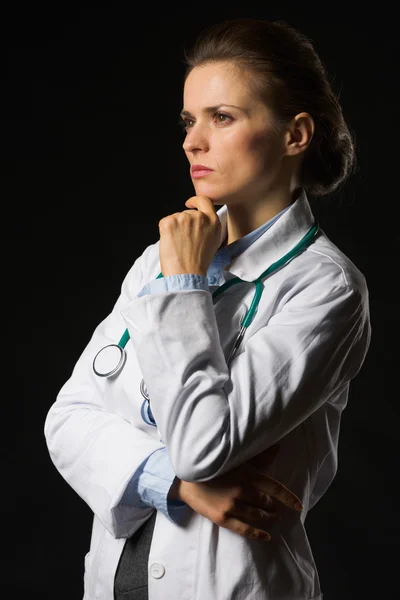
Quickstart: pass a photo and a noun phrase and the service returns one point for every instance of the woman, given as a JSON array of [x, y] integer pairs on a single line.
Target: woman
[[185, 489]]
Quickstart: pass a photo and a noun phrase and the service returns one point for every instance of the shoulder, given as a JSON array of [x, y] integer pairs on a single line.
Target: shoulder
[[334, 263], [325, 276]]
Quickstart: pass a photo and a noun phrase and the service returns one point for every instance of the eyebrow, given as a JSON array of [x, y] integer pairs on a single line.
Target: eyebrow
[[210, 109]]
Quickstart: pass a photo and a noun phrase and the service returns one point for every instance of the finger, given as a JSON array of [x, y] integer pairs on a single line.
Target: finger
[[253, 496], [280, 492], [202, 203], [275, 489], [253, 515], [245, 530]]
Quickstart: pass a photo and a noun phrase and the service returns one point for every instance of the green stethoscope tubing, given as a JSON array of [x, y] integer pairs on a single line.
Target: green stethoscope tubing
[[249, 316]]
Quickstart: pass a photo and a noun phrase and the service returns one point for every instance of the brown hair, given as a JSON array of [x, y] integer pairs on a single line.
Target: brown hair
[[284, 69]]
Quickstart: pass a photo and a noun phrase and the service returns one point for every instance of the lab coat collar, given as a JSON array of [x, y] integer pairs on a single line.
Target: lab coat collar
[[273, 243]]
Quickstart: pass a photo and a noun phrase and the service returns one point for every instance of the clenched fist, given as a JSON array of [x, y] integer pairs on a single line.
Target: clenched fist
[[189, 239]]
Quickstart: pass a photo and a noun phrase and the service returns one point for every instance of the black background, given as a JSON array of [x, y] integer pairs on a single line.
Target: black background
[[92, 161]]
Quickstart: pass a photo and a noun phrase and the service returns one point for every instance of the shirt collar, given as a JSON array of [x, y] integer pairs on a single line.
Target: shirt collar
[[255, 252], [237, 247]]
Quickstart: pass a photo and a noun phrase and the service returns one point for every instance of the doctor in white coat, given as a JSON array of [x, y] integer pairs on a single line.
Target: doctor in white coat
[[264, 128]]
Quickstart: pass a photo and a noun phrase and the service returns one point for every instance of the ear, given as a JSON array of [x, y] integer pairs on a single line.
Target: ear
[[299, 133]]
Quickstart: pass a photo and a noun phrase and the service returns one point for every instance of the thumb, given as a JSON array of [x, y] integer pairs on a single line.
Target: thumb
[[202, 203]]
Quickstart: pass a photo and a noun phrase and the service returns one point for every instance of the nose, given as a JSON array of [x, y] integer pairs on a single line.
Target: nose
[[196, 139]]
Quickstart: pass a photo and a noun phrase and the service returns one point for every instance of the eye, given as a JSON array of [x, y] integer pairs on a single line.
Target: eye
[[218, 114], [184, 122]]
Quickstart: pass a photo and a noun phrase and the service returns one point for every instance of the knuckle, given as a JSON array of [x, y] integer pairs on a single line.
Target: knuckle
[[236, 498], [237, 491], [164, 222], [221, 519], [230, 504], [181, 217], [250, 532], [233, 504], [257, 514], [267, 501]]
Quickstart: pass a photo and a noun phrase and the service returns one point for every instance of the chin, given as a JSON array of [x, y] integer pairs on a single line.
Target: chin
[[215, 198]]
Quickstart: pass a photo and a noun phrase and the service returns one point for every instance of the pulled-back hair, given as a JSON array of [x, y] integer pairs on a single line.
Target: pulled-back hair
[[282, 68]]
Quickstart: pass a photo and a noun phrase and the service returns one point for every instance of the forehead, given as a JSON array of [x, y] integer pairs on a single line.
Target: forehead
[[215, 84]]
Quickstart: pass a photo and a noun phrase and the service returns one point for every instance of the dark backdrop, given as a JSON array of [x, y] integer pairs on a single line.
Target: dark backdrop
[[93, 160]]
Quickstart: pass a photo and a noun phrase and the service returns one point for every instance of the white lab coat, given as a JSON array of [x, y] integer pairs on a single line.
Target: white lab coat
[[289, 381]]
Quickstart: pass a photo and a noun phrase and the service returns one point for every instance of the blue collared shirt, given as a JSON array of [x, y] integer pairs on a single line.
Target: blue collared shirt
[[152, 481]]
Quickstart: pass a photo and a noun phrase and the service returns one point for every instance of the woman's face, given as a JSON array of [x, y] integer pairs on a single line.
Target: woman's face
[[240, 143]]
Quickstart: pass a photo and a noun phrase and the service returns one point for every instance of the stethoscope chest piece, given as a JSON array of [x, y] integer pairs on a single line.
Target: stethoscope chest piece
[[109, 360]]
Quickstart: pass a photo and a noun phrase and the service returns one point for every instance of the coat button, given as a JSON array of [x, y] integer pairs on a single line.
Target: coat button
[[157, 570]]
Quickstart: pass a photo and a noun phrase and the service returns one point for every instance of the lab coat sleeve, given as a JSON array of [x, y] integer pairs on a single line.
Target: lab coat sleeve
[[211, 420], [96, 451], [150, 484]]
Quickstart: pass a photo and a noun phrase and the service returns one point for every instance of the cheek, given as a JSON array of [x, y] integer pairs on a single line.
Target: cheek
[[265, 147], [254, 151]]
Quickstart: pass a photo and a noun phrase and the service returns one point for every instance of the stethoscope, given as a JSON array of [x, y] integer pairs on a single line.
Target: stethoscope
[[110, 360]]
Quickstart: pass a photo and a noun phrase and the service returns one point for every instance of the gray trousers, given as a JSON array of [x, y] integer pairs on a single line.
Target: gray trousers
[[131, 577]]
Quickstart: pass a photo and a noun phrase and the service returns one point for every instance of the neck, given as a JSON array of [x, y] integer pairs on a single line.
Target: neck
[[246, 217]]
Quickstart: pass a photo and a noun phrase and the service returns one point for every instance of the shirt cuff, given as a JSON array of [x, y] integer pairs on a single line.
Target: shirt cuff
[[174, 283], [150, 485]]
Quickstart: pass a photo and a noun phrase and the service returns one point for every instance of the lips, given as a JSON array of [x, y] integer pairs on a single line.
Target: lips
[[201, 173], [200, 168]]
